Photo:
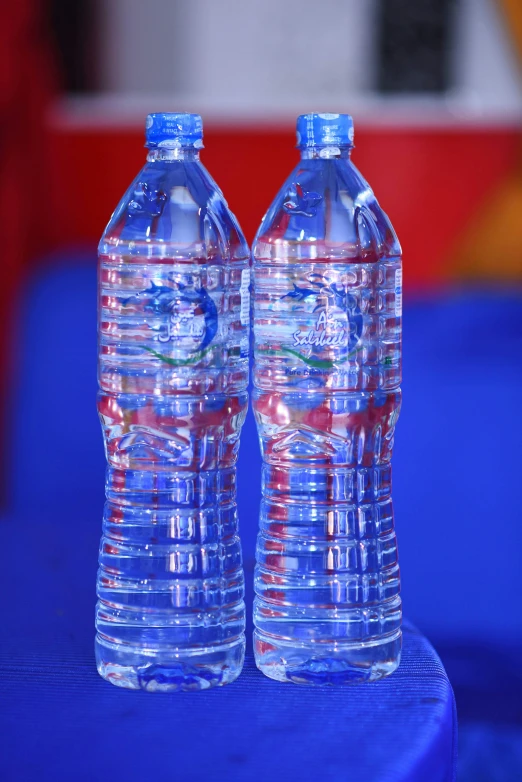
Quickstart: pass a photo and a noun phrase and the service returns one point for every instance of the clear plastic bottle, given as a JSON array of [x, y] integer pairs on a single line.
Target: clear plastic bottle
[[327, 349], [173, 372]]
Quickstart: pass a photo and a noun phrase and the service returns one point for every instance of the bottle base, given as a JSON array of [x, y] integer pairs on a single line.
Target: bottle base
[[321, 664], [167, 670]]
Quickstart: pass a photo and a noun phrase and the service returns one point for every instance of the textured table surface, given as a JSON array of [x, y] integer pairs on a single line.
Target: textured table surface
[[59, 720]]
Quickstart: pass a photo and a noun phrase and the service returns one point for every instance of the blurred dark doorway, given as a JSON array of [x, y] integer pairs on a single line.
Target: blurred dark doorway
[[73, 25], [415, 42]]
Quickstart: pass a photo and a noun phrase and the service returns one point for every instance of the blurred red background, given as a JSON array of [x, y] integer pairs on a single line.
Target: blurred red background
[[435, 166], [430, 181]]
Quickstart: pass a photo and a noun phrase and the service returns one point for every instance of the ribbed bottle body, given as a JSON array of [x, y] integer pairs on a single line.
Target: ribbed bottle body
[[173, 376], [327, 319]]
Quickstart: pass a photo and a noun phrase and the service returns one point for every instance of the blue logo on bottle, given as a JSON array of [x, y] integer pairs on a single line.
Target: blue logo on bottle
[[191, 321], [337, 324]]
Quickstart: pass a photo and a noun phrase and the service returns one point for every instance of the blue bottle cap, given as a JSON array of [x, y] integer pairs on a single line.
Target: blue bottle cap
[[171, 130], [324, 130]]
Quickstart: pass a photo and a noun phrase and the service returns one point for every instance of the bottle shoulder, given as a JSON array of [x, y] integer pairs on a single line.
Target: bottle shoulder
[[325, 210], [174, 209]]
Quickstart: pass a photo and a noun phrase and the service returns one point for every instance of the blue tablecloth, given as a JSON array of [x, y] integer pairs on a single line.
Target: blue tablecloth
[[58, 719]]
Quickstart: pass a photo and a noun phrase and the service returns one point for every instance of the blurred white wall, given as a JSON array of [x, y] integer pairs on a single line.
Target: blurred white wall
[[486, 69], [275, 57], [238, 52]]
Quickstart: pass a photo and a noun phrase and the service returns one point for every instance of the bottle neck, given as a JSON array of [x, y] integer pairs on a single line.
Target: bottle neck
[[325, 153], [180, 153]]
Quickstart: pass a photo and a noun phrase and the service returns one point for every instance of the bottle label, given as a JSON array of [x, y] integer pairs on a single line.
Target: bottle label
[[326, 323], [398, 293], [245, 297], [188, 317]]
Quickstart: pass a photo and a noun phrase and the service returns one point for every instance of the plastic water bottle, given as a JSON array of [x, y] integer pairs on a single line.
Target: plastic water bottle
[[327, 328], [173, 372]]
